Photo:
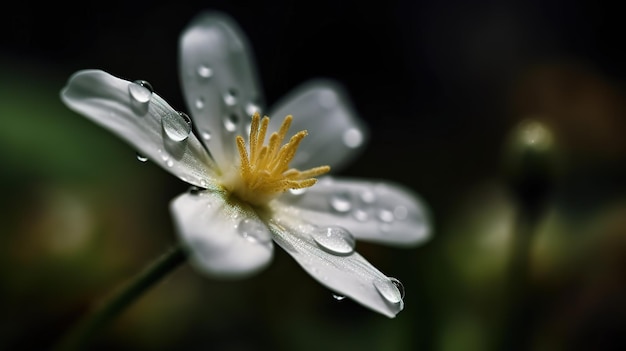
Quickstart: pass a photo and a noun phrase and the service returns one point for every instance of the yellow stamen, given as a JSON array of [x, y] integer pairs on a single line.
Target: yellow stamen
[[264, 171]]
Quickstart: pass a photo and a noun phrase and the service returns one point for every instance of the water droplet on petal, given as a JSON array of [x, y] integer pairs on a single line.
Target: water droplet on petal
[[169, 163], [141, 91], [353, 138], [251, 109], [141, 157], [400, 212], [341, 202], [385, 215], [177, 126], [360, 215], [390, 289], [230, 122], [206, 136], [204, 71], [335, 240], [368, 196], [199, 103], [230, 98], [338, 297], [254, 230], [297, 192]]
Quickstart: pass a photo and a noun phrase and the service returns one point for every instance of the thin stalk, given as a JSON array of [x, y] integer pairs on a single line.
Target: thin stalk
[[80, 335]]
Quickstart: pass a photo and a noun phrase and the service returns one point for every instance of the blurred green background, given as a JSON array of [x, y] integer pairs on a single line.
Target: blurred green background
[[506, 117]]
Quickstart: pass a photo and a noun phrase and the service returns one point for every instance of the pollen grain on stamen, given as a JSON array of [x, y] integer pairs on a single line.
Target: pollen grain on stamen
[[264, 171]]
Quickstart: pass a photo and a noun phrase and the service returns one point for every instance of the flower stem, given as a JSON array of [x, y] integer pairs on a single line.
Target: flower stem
[[80, 335]]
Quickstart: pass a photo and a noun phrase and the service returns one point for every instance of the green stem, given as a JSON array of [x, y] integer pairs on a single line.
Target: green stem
[[78, 337]]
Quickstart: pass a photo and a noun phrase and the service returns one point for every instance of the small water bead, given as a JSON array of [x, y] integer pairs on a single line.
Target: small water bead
[[251, 109], [384, 227], [338, 297], [385, 215], [297, 192], [177, 126], [231, 121], [169, 162], [199, 103], [230, 98], [360, 215], [368, 196], [353, 138], [390, 289], [206, 136], [141, 158], [254, 231], [341, 202], [334, 240], [400, 212], [204, 71]]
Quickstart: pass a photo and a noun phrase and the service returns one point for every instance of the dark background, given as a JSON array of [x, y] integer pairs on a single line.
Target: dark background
[[442, 85]]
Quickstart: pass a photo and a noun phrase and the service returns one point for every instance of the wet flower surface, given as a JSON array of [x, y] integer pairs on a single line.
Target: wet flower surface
[[254, 179]]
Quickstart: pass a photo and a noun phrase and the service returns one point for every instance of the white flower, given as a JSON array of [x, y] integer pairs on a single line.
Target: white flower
[[246, 196]]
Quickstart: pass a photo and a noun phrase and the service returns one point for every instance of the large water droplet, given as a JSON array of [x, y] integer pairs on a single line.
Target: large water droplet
[[141, 157], [140, 90], [177, 126], [341, 202], [335, 240], [254, 231], [140, 93], [204, 71], [231, 121], [353, 138], [390, 289]]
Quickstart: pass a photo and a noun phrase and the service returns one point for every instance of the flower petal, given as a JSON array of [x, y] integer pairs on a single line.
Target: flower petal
[[108, 101], [371, 211], [220, 81], [346, 274], [335, 132], [222, 238]]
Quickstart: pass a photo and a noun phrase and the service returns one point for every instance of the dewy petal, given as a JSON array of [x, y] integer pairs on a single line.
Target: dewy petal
[[222, 238], [107, 101], [371, 211], [347, 275], [220, 81], [336, 133]]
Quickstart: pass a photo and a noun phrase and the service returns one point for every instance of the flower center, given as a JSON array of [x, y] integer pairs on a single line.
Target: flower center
[[264, 171]]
